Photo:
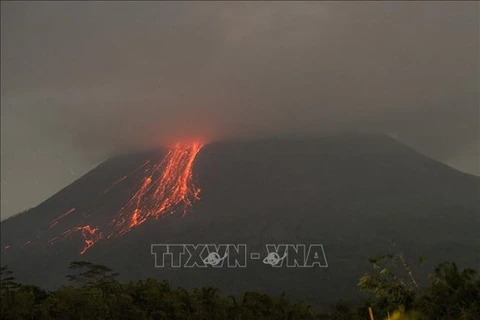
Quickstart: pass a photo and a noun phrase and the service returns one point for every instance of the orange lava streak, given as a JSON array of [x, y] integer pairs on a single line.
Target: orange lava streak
[[90, 236], [166, 188], [163, 191], [125, 177], [54, 222]]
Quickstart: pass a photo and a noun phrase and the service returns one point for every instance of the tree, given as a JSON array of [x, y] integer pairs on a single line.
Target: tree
[[390, 290], [7, 280], [453, 294], [91, 274]]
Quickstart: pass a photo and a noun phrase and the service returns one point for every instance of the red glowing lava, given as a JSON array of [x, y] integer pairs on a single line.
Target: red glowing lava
[[125, 177], [91, 235], [166, 187], [54, 222]]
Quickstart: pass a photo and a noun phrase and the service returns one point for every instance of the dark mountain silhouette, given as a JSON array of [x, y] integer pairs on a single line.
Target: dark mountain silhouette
[[352, 193]]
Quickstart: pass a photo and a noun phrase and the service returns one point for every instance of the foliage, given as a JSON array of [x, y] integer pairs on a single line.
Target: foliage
[[7, 280], [90, 274], [452, 293], [96, 294], [389, 288]]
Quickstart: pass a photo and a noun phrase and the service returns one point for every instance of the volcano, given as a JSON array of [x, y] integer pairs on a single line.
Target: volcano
[[355, 194]]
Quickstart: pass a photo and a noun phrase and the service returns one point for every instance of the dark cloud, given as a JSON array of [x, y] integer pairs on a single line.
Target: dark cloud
[[104, 76]]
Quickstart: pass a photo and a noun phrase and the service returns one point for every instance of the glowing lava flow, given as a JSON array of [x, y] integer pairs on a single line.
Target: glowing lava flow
[[91, 235], [125, 177], [162, 191], [166, 188], [54, 222]]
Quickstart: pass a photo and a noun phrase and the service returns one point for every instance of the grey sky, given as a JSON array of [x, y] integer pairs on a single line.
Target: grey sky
[[83, 80]]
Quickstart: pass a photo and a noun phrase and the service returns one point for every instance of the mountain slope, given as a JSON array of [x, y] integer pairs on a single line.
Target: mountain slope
[[351, 193]]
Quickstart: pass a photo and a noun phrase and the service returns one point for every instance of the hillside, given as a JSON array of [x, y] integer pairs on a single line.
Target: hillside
[[351, 193]]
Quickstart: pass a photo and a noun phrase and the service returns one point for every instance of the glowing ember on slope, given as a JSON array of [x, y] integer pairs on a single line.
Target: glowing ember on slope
[[91, 235], [162, 192], [28, 242], [54, 222], [166, 188], [125, 177]]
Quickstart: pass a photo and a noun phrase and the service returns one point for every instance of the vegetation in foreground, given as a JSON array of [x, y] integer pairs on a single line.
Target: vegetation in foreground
[[96, 294]]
